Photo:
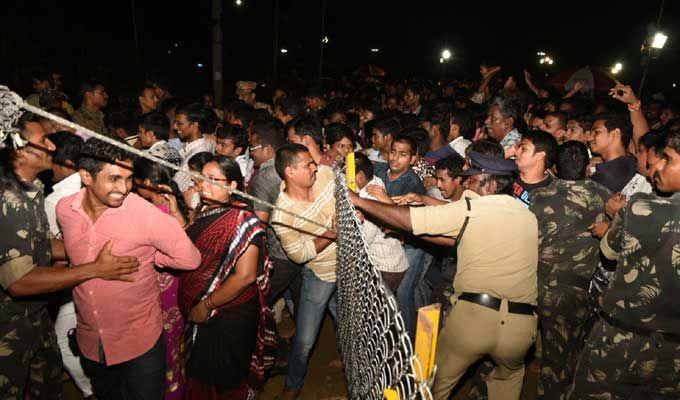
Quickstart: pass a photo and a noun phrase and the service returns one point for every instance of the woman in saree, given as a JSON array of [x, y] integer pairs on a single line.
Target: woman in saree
[[154, 183], [230, 333]]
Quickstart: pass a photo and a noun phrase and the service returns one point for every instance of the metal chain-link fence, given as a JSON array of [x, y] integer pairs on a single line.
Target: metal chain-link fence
[[375, 347]]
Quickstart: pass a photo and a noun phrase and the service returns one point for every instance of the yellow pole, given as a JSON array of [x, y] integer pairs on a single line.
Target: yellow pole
[[350, 172]]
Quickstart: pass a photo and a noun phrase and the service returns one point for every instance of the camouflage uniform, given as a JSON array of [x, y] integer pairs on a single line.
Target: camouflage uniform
[[633, 351], [93, 120], [29, 355], [567, 256]]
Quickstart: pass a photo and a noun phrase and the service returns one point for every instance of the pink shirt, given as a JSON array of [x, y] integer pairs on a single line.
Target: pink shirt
[[125, 316]]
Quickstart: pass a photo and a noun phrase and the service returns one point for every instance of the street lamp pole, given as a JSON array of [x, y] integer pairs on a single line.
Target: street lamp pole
[[275, 46], [217, 79], [323, 35], [647, 58]]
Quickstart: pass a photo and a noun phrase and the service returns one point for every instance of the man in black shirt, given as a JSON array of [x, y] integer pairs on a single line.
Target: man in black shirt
[[609, 138], [535, 155]]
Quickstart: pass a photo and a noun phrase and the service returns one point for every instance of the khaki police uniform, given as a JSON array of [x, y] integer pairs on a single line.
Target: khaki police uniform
[[495, 289]]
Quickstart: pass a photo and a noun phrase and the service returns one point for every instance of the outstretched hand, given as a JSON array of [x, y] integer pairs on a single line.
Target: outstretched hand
[[623, 93]]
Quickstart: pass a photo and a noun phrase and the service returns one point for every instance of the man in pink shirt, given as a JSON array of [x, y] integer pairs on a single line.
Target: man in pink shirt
[[119, 323]]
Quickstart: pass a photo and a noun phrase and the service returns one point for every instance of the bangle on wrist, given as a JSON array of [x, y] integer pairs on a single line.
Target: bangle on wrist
[[635, 106]]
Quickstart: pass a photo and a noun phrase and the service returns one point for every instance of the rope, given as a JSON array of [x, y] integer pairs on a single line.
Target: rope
[[8, 118]]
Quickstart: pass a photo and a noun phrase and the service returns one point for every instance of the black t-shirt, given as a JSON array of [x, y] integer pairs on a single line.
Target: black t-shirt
[[522, 190]]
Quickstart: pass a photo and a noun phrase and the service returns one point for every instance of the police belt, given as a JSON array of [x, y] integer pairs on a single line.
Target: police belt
[[495, 303], [669, 337]]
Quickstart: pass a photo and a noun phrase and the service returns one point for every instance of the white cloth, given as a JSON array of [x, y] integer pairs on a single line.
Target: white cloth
[[247, 165], [387, 252], [67, 320], [638, 184], [183, 178], [66, 187], [460, 144]]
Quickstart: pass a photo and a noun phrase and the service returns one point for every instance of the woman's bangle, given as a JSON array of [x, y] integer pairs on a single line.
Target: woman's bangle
[[635, 106]]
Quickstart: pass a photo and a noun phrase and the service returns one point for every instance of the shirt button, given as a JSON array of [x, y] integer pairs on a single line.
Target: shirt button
[[95, 312], [101, 331], [90, 293]]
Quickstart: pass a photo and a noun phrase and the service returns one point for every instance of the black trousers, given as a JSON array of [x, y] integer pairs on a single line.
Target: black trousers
[[285, 275], [141, 378]]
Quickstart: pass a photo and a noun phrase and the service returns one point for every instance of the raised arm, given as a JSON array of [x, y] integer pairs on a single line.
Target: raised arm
[[626, 95]]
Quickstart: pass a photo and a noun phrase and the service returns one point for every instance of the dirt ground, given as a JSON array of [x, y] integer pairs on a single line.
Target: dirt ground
[[324, 382]]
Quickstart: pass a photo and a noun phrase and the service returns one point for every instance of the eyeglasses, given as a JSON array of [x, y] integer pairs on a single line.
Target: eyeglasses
[[253, 148]]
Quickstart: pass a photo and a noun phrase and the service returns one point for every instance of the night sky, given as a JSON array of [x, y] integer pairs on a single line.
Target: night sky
[[85, 39]]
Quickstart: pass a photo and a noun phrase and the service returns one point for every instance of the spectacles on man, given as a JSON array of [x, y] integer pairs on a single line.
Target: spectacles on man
[[253, 148]]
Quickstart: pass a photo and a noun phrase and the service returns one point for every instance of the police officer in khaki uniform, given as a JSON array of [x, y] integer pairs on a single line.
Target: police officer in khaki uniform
[[495, 286], [245, 90]]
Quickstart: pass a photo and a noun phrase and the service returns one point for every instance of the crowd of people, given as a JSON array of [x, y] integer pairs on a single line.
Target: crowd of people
[[542, 220]]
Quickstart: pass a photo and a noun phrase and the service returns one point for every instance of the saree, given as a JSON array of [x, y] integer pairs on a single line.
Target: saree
[[228, 356]]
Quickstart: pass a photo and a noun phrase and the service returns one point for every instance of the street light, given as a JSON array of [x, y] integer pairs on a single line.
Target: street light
[[239, 3], [446, 55], [324, 40], [375, 50], [616, 68], [659, 40], [284, 51]]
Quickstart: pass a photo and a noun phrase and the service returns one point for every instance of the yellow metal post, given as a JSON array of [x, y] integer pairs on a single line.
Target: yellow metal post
[[426, 339], [350, 172]]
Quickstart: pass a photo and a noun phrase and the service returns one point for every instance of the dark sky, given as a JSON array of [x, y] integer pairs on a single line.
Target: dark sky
[[96, 38]]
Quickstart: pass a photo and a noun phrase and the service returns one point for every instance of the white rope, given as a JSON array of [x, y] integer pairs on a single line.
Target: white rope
[[22, 104]]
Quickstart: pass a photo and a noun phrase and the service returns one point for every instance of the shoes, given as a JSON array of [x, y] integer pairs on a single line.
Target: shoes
[[288, 394]]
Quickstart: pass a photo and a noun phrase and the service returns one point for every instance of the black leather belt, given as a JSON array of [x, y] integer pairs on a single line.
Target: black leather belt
[[495, 303], [670, 337]]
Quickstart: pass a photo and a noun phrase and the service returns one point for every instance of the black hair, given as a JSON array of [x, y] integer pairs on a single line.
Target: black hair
[[88, 86], [9, 180], [42, 74], [199, 114], [286, 156], [543, 142], [572, 160], [417, 89], [419, 136], [144, 87], [125, 119], [309, 125], [562, 118], [51, 98], [453, 165], [156, 123], [622, 123], [388, 126], [236, 134], [291, 106], [269, 133], [198, 160], [363, 164], [503, 183], [465, 122], [487, 147], [509, 106], [440, 115], [243, 112], [352, 121], [229, 168], [585, 120], [97, 153], [408, 140], [673, 141], [337, 131], [67, 147], [655, 141], [160, 175]]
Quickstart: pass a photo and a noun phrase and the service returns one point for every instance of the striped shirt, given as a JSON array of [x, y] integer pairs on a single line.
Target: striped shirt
[[387, 252], [297, 236]]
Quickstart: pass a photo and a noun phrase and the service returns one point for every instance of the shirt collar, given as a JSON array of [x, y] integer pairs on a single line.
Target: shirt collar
[[469, 194], [158, 143], [33, 188]]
